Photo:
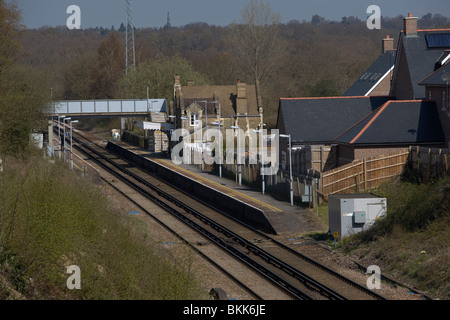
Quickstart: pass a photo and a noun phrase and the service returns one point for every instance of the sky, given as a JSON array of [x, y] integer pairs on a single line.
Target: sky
[[153, 13]]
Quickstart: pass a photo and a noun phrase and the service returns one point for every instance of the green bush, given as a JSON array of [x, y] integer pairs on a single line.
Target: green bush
[[52, 218], [412, 240]]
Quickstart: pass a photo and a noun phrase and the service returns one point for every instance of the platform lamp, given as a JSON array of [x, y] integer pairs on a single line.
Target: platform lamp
[[199, 122], [239, 153], [220, 148], [220, 140], [261, 143], [71, 130], [64, 138], [290, 165], [187, 128], [59, 134], [175, 128]]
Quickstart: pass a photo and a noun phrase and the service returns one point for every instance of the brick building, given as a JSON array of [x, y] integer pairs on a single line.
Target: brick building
[[415, 111], [392, 128], [235, 105]]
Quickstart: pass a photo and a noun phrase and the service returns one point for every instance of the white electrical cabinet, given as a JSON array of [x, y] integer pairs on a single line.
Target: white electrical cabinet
[[352, 213]]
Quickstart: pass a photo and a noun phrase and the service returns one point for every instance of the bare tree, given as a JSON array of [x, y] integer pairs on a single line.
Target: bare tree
[[10, 31], [256, 39]]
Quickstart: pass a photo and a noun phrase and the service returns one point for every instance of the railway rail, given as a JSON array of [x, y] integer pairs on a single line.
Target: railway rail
[[293, 272]]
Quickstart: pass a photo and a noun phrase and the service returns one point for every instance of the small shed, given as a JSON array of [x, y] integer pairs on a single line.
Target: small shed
[[352, 213]]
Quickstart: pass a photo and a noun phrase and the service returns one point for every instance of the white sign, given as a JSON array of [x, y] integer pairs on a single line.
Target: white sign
[[151, 125], [146, 125]]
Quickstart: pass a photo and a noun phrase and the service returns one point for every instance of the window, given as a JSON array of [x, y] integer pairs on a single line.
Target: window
[[193, 119]]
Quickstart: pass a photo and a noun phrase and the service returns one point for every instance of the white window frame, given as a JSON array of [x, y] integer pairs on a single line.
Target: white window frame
[[193, 120]]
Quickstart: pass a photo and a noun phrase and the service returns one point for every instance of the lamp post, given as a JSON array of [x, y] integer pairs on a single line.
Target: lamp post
[[239, 153], [59, 134], [220, 149], [64, 138], [184, 149], [201, 139], [261, 143], [71, 158], [170, 132], [290, 165], [148, 107], [220, 140]]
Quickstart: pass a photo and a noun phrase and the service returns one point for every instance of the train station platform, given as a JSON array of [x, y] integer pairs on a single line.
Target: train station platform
[[245, 203]]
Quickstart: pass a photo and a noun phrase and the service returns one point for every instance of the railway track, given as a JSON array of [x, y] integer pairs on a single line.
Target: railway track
[[299, 276]]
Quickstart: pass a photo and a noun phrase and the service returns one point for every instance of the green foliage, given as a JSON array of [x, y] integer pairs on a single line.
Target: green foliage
[[51, 219], [77, 77], [10, 30], [412, 240], [158, 75], [23, 97], [108, 69], [323, 88]]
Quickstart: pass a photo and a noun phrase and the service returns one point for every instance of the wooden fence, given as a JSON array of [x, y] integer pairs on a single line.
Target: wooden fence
[[428, 163], [316, 157], [364, 174]]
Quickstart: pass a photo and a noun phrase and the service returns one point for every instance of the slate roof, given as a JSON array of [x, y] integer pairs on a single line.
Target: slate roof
[[201, 105], [226, 94], [375, 73], [421, 59], [436, 78], [408, 122], [320, 120]]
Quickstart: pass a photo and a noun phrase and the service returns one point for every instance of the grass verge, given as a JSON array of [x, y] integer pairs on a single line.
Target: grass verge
[[412, 241], [52, 219]]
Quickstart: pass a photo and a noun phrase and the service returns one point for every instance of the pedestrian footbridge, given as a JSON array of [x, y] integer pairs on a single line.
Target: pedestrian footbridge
[[110, 108]]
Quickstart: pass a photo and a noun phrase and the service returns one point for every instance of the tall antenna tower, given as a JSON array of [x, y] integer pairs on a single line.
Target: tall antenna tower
[[130, 55]]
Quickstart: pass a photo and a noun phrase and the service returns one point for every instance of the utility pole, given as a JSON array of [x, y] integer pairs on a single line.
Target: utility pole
[[130, 55]]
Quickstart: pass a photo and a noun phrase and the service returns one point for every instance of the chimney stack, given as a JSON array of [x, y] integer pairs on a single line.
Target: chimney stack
[[410, 25], [388, 44], [241, 99]]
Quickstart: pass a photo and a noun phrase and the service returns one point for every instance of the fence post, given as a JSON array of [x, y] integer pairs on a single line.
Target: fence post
[[446, 163], [365, 173], [298, 190], [430, 164]]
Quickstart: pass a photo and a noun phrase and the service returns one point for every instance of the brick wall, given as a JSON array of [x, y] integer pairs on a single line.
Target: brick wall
[[348, 154], [410, 25], [361, 153], [384, 87], [403, 89], [438, 94]]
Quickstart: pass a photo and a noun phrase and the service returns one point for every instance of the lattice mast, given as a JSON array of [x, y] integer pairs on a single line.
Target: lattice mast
[[130, 54]]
